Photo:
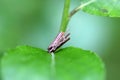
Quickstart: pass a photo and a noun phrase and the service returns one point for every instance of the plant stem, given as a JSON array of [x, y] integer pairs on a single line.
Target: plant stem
[[61, 37], [65, 16], [80, 7]]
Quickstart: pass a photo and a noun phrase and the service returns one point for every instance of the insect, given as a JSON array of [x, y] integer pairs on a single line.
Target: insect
[[61, 39]]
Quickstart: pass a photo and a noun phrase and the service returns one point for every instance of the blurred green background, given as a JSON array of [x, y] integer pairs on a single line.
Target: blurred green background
[[36, 23]]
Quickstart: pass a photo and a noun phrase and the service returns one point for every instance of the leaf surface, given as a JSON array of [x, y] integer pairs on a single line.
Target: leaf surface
[[29, 63], [109, 8]]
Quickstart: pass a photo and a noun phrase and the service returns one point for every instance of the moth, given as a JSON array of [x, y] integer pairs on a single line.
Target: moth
[[61, 39]]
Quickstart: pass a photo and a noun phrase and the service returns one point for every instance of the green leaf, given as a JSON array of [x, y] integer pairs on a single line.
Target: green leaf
[[109, 8], [29, 63]]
